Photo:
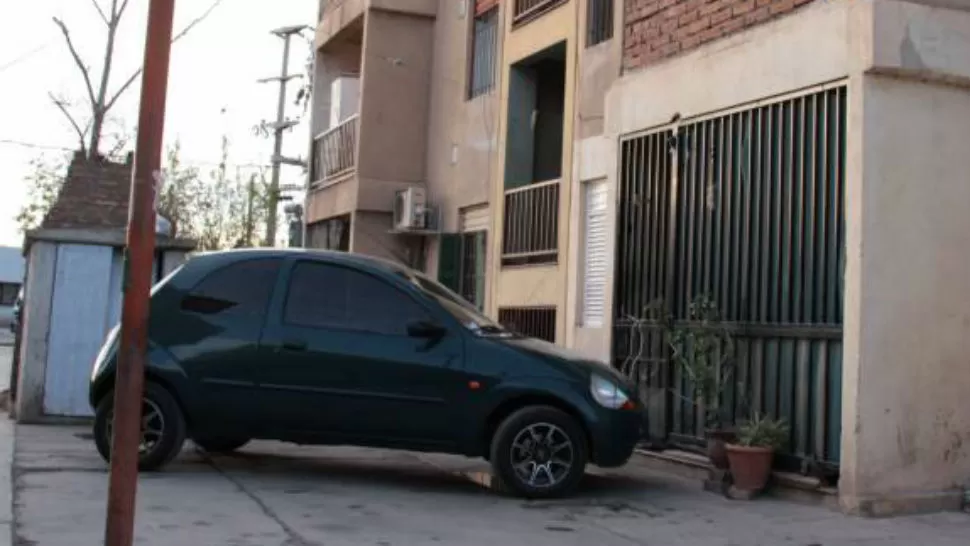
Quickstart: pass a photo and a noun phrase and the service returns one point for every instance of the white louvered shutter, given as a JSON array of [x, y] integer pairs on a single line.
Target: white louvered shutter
[[594, 258]]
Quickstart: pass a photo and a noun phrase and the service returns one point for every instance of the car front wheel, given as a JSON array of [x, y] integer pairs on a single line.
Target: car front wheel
[[539, 452], [162, 427]]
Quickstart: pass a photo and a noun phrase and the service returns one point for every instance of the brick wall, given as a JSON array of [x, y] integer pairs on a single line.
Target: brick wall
[[658, 29]]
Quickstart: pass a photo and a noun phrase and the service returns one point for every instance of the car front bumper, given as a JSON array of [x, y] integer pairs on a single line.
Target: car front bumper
[[617, 436]]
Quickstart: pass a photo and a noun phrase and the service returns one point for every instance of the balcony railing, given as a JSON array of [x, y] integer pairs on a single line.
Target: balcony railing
[[335, 151], [524, 10], [531, 226]]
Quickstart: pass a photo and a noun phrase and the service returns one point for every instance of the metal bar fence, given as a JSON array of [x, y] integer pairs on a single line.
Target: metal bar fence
[[745, 208]]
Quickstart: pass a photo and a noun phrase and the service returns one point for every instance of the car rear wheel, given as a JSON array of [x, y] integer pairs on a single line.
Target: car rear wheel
[[162, 427], [220, 445], [539, 452]]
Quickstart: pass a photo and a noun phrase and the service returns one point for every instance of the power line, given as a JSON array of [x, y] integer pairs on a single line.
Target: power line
[[24, 57], [250, 163], [34, 145]]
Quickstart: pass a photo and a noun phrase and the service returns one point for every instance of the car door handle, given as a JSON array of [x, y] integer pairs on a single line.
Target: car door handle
[[293, 345]]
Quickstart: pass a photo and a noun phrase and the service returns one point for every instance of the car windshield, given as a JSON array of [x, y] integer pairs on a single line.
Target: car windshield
[[464, 312]]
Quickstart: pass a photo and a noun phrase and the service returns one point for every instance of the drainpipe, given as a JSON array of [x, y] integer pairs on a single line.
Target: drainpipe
[[574, 173]]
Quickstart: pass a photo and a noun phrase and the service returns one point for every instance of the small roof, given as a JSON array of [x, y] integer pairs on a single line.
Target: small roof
[[94, 196], [11, 264]]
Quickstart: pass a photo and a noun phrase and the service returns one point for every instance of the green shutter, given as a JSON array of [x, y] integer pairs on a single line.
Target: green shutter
[[449, 260], [480, 269]]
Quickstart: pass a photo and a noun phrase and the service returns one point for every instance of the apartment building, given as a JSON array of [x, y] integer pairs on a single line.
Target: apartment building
[[566, 165]]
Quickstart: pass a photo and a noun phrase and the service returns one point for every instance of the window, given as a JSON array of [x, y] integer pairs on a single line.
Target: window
[[241, 288], [599, 21], [484, 41], [331, 234], [594, 257], [472, 284], [8, 293], [537, 322], [327, 296]]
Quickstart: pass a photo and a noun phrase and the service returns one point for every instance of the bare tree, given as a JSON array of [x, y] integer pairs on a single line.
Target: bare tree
[[99, 96]]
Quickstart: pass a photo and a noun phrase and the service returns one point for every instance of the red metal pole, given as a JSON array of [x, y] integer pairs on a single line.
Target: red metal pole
[[129, 383]]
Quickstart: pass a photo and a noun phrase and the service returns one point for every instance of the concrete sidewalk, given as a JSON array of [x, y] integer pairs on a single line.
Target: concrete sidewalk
[[6, 453], [275, 494]]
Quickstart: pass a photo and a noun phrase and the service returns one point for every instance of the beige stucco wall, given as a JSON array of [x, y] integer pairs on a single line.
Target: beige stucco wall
[[395, 80], [391, 47], [462, 133], [536, 285], [906, 420], [906, 370], [599, 69]]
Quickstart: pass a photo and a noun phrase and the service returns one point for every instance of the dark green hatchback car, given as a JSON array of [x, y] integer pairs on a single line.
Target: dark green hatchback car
[[333, 348]]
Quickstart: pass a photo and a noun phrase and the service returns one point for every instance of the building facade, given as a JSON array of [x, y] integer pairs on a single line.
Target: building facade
[[802, 163]]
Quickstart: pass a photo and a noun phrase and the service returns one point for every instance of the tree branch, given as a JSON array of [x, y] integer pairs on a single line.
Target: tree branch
[[97, 6], [124, 87], [77, 128], [77, 59], [121, 11]]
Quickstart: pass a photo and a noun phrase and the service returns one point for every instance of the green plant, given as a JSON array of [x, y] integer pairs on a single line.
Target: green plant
[[763, 432], [703, 348]]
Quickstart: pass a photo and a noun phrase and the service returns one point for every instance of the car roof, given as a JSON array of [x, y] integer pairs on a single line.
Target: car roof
[[223, 257]]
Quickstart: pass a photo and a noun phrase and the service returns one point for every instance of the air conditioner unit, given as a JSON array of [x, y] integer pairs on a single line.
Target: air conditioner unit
[[410, 209]]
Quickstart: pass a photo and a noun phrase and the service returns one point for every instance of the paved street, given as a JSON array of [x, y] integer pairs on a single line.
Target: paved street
[[273, 494]]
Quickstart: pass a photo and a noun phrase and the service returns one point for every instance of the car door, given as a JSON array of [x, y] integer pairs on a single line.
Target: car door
[[351, 370], [215, 336]]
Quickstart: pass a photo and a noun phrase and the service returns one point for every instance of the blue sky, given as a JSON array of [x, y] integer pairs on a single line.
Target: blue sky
[[212, 83]]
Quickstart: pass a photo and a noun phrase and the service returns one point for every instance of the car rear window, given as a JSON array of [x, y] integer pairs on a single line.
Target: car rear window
[[239, 288]]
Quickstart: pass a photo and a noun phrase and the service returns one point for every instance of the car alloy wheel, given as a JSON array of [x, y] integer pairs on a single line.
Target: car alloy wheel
[[539, 452], [542, 455], [152, 427], [162, 427]]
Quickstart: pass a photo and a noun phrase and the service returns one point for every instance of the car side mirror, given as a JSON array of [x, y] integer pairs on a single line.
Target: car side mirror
[[426, 329]]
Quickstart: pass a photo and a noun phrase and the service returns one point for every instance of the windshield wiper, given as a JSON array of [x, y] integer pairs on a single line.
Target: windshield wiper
[[492, 329]]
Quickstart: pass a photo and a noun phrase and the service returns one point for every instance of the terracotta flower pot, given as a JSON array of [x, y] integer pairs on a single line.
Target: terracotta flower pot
[[750, 466], [717, 441]]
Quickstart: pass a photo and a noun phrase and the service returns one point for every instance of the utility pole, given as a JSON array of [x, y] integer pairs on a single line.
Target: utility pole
[[251, 190], [139, 256], [281, 125]]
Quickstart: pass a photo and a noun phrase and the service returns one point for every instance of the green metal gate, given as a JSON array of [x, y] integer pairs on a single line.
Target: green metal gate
[[746, 208]]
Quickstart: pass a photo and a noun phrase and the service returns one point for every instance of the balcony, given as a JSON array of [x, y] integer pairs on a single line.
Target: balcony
[[531, 224], [526, 10], [335, 152]]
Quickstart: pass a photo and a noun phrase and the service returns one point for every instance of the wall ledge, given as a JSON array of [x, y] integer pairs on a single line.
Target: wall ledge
[[929, 77]]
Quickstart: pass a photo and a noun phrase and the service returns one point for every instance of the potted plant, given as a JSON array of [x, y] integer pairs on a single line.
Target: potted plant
[[703, 349], [751, 456]]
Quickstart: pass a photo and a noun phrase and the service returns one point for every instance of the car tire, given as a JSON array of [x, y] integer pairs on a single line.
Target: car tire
[[167, 442], [552, 434], [220, 445]]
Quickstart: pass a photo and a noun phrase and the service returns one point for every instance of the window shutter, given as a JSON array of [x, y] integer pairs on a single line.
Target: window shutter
[[449, 260], [480, 253], [595, 255]]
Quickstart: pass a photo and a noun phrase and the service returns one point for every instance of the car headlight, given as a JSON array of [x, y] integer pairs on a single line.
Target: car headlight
[[105, 352], [608, 394]]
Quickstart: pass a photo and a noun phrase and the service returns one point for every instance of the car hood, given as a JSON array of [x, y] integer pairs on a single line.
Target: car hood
[[564, 358]]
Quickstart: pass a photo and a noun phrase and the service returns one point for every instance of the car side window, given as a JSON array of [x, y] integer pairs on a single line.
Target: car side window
[[328, 296], [242, 288]]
